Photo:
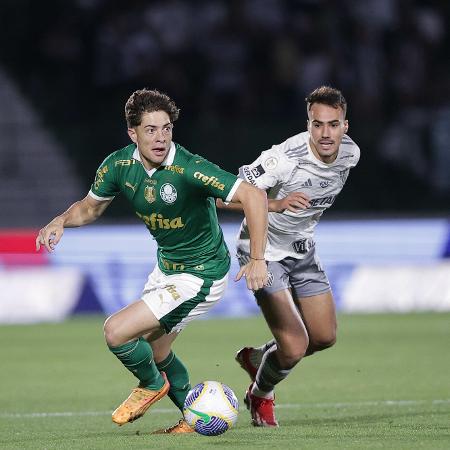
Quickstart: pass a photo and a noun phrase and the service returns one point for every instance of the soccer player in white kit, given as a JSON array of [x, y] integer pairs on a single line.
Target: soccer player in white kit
[[302, 177]]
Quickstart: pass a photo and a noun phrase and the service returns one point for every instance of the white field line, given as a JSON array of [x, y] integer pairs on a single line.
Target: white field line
[[6, 415]]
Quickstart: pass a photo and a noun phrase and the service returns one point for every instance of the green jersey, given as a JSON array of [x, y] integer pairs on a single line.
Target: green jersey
[[176, 202]]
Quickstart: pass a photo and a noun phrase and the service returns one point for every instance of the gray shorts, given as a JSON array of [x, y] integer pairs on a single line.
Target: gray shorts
[[304, 276]]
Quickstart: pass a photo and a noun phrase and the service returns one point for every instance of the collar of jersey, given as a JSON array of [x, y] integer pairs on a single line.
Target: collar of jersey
[[167, 162]]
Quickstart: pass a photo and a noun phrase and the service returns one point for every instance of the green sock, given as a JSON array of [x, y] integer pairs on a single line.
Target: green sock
[[137, 357], [178, 377]]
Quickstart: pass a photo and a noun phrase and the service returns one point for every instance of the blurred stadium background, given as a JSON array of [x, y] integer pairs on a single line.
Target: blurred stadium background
[[239, 70]]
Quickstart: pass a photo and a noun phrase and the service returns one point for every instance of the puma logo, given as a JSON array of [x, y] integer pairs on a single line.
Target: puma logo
[[129, 185]]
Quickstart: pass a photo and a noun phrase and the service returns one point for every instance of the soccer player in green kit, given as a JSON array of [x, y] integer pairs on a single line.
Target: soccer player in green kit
[[173, 192]]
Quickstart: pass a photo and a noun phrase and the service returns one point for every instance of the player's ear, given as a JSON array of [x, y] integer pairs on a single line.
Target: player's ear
[[132, 134], [345, 126]]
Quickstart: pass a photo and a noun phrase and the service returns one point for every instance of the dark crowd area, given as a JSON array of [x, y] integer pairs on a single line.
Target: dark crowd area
[[240, 70]]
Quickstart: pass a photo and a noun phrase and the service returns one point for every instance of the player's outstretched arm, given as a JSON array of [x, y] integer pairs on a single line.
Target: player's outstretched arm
[[254, 203], [292, 202], [80, 213]]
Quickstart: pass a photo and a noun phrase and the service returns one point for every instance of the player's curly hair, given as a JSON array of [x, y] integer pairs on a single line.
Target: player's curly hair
[[147, 100], [327, 95]]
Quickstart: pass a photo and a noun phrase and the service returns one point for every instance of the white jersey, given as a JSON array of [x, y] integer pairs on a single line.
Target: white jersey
[[292, 167]]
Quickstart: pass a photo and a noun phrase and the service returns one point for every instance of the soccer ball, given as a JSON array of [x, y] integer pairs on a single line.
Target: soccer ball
[[211, 408]]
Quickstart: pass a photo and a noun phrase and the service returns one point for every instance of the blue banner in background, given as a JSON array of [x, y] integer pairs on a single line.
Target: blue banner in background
[[373, 266], [119, 258], [446, 253]]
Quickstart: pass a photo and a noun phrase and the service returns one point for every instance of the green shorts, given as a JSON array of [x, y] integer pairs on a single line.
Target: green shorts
[[177, 299]]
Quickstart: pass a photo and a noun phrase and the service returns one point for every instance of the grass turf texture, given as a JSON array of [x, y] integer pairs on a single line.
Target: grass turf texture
[[384, 385]]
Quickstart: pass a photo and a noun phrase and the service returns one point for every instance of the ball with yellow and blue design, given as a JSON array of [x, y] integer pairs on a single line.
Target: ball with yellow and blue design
[[211, 408]]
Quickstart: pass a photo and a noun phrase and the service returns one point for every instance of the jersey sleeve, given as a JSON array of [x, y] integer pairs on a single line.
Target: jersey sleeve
[[356, 157], [211, 179], [272, 167], [351, 152], [105, 186]]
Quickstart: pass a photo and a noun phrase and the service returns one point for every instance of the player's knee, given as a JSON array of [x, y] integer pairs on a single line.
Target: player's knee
[[323, 342], [112, 337]]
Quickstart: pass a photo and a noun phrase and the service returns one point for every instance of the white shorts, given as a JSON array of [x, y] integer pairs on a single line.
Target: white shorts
[[177, 299]]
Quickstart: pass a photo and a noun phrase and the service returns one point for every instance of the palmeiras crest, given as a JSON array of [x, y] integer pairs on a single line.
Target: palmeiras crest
[[168, 193], [149, 194]]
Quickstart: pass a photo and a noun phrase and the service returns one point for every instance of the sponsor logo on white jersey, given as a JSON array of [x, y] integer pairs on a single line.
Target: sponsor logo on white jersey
[[248, 175], [258, 171], [324, 201], [307, 183]]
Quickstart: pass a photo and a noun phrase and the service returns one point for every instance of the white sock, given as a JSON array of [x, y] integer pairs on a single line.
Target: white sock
[[256, 391]]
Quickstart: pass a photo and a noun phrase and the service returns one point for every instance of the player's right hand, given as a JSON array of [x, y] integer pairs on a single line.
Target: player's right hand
[[49, 236], [255, 273], [293, 202]]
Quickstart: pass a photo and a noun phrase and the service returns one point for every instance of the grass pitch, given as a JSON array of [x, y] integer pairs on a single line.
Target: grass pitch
[[385, 384]]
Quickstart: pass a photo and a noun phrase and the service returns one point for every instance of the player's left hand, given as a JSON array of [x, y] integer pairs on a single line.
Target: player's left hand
[[255, 273], [294, 202]]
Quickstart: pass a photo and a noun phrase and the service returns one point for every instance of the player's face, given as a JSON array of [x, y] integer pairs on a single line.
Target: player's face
[[153, 138], [326, 126]]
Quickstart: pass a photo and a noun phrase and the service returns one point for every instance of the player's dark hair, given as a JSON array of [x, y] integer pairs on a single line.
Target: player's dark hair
[[146, 100], [327, 95]]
